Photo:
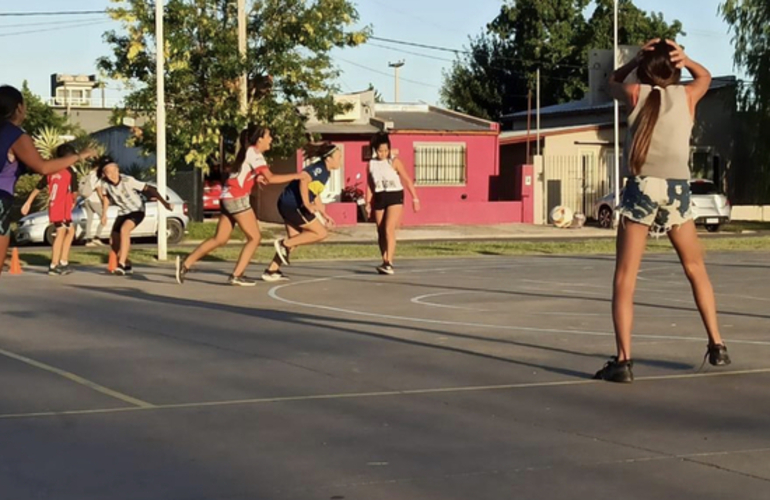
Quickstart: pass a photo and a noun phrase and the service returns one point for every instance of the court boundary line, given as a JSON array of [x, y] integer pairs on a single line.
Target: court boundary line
[[77, 379], [374, 394]]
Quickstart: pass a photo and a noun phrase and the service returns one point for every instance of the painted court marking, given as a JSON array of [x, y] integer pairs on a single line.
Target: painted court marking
[[374, 394], [273, 293], [77, 379]]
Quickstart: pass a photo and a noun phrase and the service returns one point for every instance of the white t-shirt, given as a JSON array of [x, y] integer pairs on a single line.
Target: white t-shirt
[[384, 176], [126, 195]]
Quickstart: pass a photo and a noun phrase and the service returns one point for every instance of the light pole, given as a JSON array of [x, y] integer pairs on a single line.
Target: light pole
[[617, 115], [160, 112], [242, 50], [396, 66]]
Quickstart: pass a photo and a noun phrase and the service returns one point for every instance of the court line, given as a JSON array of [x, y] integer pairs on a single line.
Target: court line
[[77, 379], [273, 293], [374, 394], [419, 300]]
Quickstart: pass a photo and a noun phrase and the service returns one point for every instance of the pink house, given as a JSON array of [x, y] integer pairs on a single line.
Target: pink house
[[453, 158]]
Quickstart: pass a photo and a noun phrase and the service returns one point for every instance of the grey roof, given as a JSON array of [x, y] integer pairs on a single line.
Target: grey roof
[[584, 106], [429, 118]]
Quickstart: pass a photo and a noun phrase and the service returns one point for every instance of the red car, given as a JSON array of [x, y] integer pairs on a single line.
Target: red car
[[211, 193]]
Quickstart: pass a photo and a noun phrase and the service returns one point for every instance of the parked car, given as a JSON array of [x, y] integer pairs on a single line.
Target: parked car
[[211, 193], [710, 208], [36, 228]]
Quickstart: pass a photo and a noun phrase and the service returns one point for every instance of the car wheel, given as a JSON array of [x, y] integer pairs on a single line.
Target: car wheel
[[712, 228], [50, 234], [605, 217], [174, 231]]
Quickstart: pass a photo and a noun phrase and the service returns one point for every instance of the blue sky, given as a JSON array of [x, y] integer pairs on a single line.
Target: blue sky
[[71, 44]]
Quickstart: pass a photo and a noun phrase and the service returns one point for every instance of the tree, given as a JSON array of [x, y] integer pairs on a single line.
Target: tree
[[748, 20], [498, 70], [288, 64], [40, 115]]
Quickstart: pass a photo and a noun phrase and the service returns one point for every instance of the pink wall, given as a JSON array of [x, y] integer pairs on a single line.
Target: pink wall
[[468, 204]]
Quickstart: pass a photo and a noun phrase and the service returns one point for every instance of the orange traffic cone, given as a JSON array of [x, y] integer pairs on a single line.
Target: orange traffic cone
[[15, 263], [112, 263]]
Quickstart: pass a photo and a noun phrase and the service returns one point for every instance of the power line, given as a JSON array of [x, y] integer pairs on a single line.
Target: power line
[[46, 30], [388, 74], [55, 13], [48, 23]]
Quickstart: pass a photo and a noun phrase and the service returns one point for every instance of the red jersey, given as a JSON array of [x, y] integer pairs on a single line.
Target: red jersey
[[240, 183], [61, 189]]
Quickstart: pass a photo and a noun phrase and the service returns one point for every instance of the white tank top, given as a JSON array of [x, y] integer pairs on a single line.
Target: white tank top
[[385, 177]]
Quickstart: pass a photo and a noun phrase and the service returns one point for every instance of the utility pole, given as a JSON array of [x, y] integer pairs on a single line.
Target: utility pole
[[244, 95], [160, 111], [538, 113], [616, 171], [396, 66]]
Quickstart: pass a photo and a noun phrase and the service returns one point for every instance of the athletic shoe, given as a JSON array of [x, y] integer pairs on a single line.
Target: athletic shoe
[[616, 371], [241, 281], [717, 354], [91, 243], [65, 268], [385, 269], [97, 242], [181, 271], [129, 268], [281, 251], [55, 271], [272, 276], [120, 270]]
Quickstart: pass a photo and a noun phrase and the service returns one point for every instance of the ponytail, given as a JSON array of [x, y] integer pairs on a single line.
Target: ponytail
[[648, 118], [318, 149], [249, 137]]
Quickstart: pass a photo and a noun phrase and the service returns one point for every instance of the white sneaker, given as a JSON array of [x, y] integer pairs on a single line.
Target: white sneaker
[[281, 251]]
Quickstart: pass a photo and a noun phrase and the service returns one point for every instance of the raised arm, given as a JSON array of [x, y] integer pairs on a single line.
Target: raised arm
[[25, 151], [701, 78], [628, 93]]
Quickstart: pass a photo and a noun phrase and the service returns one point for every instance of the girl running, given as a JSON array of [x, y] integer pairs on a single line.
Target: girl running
[[62, 191], [657, 192], [301, 207], [16, 151], [125, 192], [236, 205], [385, 195]]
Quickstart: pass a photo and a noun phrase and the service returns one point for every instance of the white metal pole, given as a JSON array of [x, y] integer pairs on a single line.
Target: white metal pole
[[398, 98], [617, 115], [242, 51], [537, 124], [160, 112], [396, 66]]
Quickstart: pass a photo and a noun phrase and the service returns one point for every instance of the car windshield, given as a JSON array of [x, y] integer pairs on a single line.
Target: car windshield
[[701, 187]]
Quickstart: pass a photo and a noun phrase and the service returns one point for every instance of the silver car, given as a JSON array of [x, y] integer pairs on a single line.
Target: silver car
[[36, 228], [710, 208]]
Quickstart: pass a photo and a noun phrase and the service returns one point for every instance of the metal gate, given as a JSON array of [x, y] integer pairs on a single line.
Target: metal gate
[[577, 181]]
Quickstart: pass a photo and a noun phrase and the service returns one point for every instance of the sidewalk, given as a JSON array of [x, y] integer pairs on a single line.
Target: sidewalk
[[366, 233]]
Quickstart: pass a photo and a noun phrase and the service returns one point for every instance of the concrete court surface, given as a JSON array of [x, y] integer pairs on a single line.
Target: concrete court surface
[[453, 379]]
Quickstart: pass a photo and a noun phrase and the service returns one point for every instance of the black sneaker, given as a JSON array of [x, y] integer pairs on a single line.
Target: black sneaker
[[281, 251], [272, 276], [55, 271], [385, 268], [616, 371], [181, 271], [65, 268], [717, 354], [241, 281], [120, 270]]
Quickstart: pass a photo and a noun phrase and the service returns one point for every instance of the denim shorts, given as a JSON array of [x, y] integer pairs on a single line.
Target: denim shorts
[[661, 204]]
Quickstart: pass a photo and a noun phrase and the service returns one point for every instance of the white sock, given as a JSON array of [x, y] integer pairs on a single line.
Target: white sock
[[63, 262]]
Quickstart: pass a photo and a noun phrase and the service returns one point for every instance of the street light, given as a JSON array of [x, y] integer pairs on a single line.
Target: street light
[[396, 66]]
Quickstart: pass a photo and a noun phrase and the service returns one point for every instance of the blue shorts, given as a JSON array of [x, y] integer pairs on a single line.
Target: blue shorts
[[295, 216], [658, 203]]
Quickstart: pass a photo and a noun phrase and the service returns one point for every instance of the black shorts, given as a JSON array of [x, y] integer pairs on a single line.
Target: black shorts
[[295, 216], [6, 202], [385, 199], [135, 217]]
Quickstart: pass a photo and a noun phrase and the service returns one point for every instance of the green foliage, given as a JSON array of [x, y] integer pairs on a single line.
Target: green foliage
[[749, 21], [40, 115], [288, 64], [494, 78]]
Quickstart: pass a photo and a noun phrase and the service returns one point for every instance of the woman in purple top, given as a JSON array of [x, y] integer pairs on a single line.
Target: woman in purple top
[[16, 152]]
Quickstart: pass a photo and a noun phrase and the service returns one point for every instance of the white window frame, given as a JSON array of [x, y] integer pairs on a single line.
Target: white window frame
[[418, 145]]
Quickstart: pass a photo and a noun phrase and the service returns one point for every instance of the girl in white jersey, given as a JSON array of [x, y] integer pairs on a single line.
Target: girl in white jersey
[[657, 192], [385, 195], [236, 205]]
